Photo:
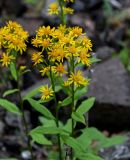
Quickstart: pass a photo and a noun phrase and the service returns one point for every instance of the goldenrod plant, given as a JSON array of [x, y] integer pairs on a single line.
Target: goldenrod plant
[[13, 40], [62, 52]]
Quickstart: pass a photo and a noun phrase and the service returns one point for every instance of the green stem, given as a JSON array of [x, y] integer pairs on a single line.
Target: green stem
[[63, 17], [24, 119], [57, 115], [73, 105]]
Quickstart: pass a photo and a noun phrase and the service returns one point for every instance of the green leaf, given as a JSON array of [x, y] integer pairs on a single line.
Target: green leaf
[[9, 92], [8, 159], [124, 56], [47, 122], [72, 142], [32, 93], [48, 130], [25, 71], [40, 108], [13, 71], [77, 117], [9, 106], [94, 60], [40, 139], [57, 88], [114, 140], [68, 126], [85, 140], [80, 92], [85, 106], [88, 156], [94, 134], [66, 101]]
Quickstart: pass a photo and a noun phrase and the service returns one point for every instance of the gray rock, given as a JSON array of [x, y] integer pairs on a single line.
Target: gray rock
[[104, 52], [117, 152], [110, 83], [111, 86], [1, 128], [30, 24]]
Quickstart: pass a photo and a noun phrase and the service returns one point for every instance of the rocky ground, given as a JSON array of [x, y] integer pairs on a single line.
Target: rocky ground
[[107, 24]]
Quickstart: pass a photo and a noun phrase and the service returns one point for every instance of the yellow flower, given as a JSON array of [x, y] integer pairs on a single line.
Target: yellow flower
[[84, 57], [46, 70], [37, 58], [46, 92], [22, 68], [36, 41], [45, 43], [87, 43], [62, 28], [68, 0], [53, 8], [68, 10], [13, 37], [76, 31], [17, 45], [13, 25], [45, 31], [60, 69], [57, 34], [78, 79], [72, 50], [6, 59]]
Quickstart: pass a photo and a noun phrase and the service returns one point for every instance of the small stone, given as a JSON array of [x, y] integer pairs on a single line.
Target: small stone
[[104, 52], [26, 155]]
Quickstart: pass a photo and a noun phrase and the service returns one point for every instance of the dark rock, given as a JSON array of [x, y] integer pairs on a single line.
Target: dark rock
[[111, 86], [104, 52], [14, 7], [115, 36], [90, 4]]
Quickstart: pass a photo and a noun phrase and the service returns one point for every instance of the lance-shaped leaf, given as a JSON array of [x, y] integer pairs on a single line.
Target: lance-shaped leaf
[[48, 130], [9, 106], [9, 92], [13, 71], [85, 106], [40, 108], [40, 139]]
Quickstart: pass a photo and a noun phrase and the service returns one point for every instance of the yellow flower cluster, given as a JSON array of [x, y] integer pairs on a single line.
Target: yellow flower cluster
[[55, 9], [12, 38], [59, 44]]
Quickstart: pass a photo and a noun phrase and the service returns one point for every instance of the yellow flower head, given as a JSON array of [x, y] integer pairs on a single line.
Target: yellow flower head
[[68, 10], [37, 58], [77, 31], [45, 31], [60, 69], [6, 59], [69, 1], [17, 45], [13, 37], [45, 43], [87, 43], [13, 25], [78, 79], [46, 92], [84, 57], [53, 8], [36, 42]]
